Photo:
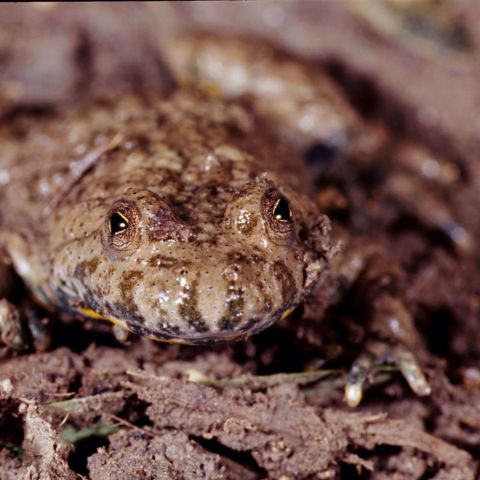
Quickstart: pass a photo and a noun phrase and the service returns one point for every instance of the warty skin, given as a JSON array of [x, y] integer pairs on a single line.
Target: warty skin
[[182, 219]]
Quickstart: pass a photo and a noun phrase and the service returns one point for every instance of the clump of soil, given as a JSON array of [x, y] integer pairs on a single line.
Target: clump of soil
[[164, 412], [269, 407]]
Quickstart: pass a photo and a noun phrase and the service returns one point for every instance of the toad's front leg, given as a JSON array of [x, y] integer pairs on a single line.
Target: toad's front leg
[[11, 332], [378, 286], [12, 338], [19, 329]]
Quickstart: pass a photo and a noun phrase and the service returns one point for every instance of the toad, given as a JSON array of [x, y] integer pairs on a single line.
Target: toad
[[190, 218]]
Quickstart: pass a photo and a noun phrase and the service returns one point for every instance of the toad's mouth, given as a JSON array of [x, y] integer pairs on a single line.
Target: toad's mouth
[[252, 327]]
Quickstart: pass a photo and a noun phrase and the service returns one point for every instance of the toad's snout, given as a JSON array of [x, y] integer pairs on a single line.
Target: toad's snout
[[226, 297]]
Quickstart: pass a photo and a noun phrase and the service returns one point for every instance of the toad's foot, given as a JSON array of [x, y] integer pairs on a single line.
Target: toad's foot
[[392, 334], [376, 355], [395, 336]]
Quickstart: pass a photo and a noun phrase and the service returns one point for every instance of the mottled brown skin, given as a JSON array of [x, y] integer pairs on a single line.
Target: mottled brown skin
[[180, 219]]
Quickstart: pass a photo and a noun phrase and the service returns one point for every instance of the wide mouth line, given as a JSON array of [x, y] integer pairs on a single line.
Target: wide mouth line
[[214, 338]]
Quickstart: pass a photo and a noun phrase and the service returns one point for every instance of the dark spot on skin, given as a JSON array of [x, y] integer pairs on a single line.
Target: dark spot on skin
[[86, 268], [174, 329], [213, 242], [164, 261], [252, 325], [267, 301], [129, 308], [165, 332], [235, 301], [125, 312], [63, 299], [138, 330], [90, 300], [226, 324], [237, 257], [188, 309], [283, 275]]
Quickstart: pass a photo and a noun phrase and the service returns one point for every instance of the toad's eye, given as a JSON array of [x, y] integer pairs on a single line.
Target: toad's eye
[[276, 211], [118, 223], [121, 230]]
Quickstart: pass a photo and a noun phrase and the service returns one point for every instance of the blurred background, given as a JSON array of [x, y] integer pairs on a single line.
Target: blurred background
[[419, 56]]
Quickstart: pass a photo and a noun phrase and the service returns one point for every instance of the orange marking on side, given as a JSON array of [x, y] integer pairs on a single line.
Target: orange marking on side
[[88, 312], [286, 313]]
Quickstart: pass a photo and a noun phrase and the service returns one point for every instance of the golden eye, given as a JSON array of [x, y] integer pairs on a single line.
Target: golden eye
[[276, 210], [118, 223], [121, 227]]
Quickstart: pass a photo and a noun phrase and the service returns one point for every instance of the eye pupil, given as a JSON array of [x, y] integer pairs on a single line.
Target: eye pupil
[[118, 223], [281, 211]]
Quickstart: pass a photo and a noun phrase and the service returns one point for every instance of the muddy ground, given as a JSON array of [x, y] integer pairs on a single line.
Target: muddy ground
[[270, 407]]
